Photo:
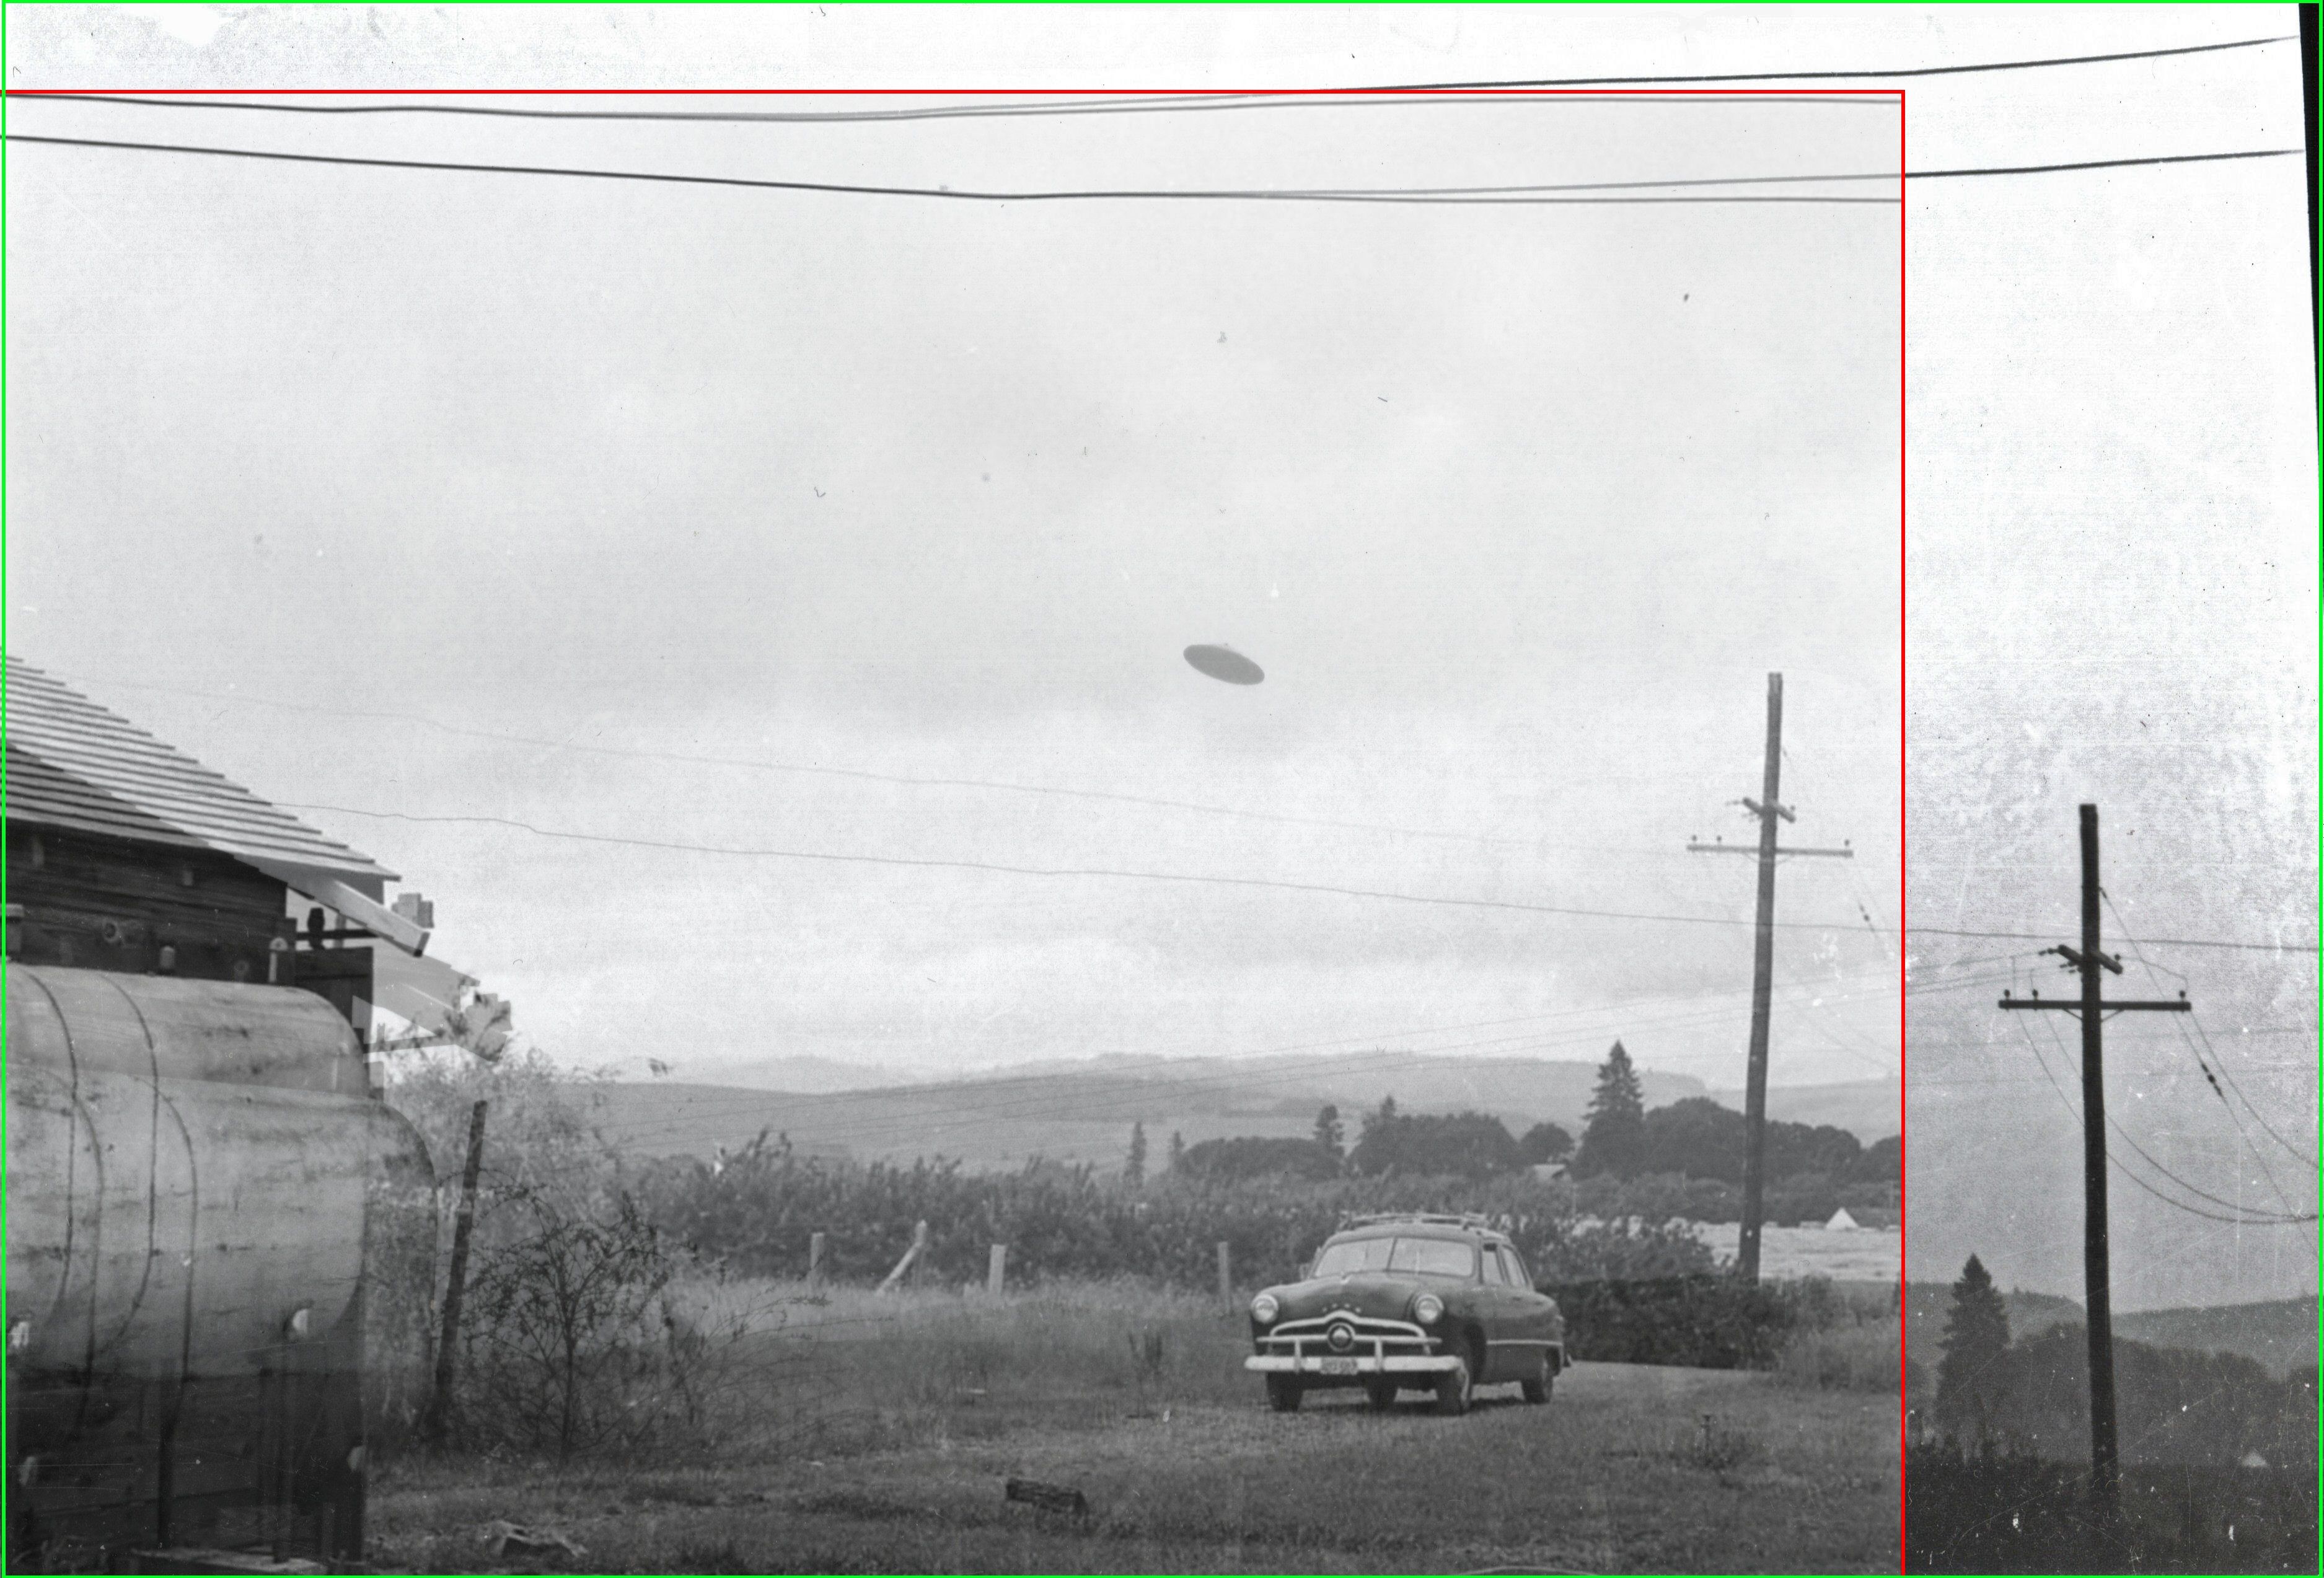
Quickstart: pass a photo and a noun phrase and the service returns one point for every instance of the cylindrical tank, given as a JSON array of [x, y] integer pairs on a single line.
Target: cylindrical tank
[[195, 1171]]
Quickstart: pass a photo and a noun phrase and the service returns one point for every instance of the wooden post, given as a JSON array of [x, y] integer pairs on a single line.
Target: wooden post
[[1226, 1278], [439, 1406], [993, 1276], [910, 1262], [815, 1258], [919, 1253]]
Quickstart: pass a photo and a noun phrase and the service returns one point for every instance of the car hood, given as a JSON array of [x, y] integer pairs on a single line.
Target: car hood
[[1375, 1294]]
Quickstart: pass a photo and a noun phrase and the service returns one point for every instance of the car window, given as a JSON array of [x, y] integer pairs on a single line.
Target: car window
[[1351, 1255], [1433, 1257], [1494, 1274], [1518, 1276]]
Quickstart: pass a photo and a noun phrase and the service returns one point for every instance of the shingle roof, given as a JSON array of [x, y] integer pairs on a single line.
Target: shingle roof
[[72, 764]]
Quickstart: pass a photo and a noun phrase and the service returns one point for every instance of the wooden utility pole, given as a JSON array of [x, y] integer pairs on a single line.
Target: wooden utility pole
[[2106, 1472], [1769, 809], [440, 1404]]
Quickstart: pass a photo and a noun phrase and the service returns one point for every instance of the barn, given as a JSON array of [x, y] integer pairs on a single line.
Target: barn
[[201, 1181], [128, 855]]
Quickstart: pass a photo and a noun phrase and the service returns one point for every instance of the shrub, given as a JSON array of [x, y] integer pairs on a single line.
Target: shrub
[[1853, 1358], [1708, 1321]]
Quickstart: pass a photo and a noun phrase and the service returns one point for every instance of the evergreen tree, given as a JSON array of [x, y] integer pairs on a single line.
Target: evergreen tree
[[1977, 1339], [1384, 1118], [1133, 1171], [1329, 1134], [1614, 1139], [1177, 1148]]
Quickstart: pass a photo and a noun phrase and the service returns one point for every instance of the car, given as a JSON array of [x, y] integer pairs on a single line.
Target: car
[[1409, 1302]]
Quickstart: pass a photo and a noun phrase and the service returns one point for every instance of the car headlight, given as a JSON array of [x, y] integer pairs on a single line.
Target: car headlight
[[1427, 1309], [1264, 1309]]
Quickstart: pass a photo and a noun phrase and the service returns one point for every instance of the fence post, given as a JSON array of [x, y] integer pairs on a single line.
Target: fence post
[[440, 1404], [815, 1258], [1226, 1278], [919, 1253], [994, 1274]]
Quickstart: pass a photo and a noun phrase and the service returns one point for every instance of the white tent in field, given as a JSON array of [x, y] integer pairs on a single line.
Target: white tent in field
[[1841, 1222]]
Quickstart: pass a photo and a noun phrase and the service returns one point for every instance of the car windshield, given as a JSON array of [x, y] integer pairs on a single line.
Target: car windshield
[[1433, 1257], [1352, 1255], [1413, 1257]]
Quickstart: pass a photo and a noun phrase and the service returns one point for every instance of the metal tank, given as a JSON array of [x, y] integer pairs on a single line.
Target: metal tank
[[197, 1179]]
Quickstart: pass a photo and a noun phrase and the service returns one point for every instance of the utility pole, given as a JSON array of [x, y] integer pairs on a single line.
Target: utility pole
[[1767, 809], [2106, 1473]]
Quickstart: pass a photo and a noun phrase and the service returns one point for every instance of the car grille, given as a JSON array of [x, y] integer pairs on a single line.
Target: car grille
[[1343, 1333]]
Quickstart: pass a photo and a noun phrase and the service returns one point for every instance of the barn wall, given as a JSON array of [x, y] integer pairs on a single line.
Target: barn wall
[[113, 904]]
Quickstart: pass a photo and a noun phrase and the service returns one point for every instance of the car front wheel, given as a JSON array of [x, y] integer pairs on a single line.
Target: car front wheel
[[1283, 1394], [1538, 1388], [1454, 1386]]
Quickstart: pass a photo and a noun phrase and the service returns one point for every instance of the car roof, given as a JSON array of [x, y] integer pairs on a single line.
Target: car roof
[[1444, 1230]]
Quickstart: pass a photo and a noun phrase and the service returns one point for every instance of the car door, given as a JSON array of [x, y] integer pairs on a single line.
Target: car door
[[1532, 1323], [1505, 1357]]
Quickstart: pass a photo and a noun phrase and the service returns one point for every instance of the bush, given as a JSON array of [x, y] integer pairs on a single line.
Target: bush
[[1998, 1509], [1851, 1358], [757, 1211], [1707, 1321], [1256, 1157]]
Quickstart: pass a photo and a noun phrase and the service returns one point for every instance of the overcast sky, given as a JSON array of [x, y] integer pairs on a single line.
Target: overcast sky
[[1516, 506]]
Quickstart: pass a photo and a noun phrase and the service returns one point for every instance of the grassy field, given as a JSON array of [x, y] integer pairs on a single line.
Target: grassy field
[[1865, 1255], [861, 1434]]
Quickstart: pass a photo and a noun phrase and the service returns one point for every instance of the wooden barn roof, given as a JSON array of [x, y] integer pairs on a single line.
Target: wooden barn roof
[[72, 764]]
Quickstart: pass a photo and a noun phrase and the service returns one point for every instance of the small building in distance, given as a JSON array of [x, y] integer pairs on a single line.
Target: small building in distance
[[126, 855]]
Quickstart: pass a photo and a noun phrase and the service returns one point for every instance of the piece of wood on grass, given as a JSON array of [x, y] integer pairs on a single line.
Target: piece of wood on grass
[[1047, 1498]]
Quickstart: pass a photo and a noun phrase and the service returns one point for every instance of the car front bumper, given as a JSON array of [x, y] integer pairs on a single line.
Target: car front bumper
[[1337, 1366]]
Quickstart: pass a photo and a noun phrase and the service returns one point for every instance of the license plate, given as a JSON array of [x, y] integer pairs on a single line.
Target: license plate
[[1339, 1367]]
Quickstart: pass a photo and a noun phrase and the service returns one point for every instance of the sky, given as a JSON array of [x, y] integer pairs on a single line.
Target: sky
[[1517, 507]]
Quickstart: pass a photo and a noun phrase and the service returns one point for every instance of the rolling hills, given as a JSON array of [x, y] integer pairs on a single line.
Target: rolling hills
[[1082, 1112]]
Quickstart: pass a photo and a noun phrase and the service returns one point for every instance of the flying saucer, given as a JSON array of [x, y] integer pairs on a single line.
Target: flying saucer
[[1225, 663]]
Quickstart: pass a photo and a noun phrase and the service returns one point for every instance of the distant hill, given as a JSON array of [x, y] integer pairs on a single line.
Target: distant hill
[[1869, 1109], [2280, 1335], [1082, 1112]]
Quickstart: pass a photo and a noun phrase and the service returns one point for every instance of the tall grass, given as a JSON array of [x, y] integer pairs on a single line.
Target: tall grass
[[823, 1367]]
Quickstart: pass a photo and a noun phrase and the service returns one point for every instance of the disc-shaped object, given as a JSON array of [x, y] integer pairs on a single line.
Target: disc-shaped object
[[1225, 663]]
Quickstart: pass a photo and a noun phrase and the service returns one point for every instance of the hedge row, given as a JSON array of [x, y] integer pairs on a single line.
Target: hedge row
[[757, 1211]]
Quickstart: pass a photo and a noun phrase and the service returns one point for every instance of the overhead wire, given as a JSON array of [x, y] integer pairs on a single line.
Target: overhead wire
[[999, 868], [2239, 1220], [1548, 195], [2243, 1133], [2113, 1122], [1135, 104], [758, 764]]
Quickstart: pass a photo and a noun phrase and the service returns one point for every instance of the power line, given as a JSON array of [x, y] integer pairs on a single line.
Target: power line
[[2103, 163], [1548, 194], [865, 775], [2240, 1220], [1092, 872], [2114, 1123], [1387, 93], [1893, 73], [1424, 196], [2209, 1078], [1914, 929], [1288, 98]]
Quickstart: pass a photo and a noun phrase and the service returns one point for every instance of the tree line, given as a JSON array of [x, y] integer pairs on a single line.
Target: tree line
[[1684, 1159]]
